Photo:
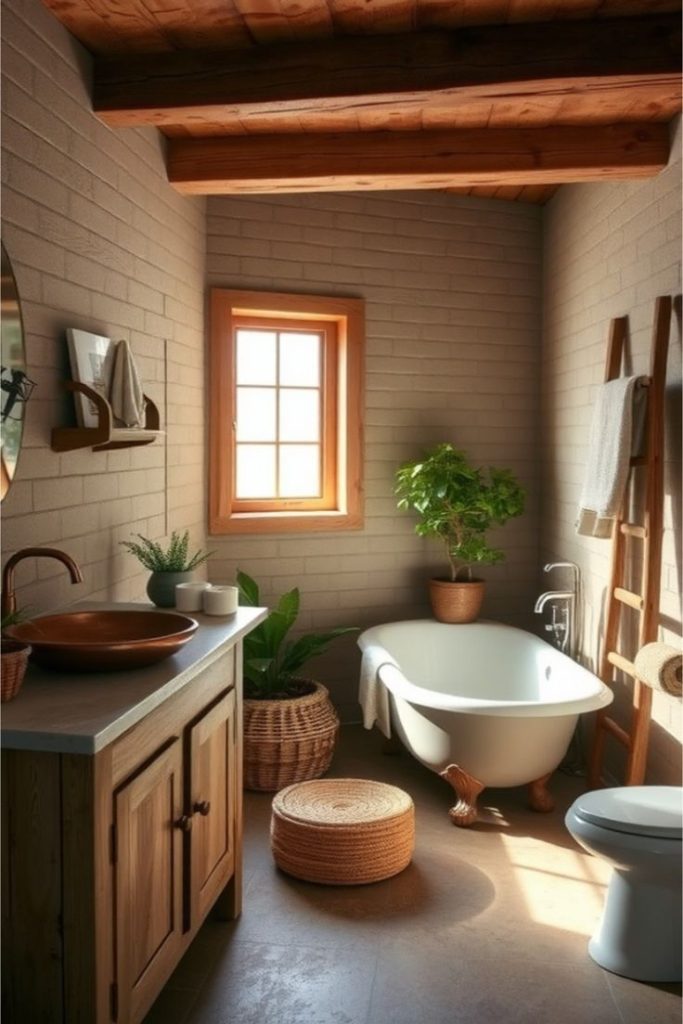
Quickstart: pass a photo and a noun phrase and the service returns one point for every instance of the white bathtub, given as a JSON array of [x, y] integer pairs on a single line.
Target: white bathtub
[[495, 701]]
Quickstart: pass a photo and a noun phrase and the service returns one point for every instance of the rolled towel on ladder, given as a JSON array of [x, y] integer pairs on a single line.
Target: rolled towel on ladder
[[661, 666]]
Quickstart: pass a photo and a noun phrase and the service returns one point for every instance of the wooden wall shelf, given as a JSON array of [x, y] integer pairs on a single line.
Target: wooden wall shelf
[[105, 435]]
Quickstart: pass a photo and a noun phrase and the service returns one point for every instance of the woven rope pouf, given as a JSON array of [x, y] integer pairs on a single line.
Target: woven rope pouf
[[342, 831]]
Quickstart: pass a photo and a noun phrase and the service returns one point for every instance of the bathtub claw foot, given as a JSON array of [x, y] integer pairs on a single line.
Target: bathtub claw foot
[[539, 797], [467, 789]]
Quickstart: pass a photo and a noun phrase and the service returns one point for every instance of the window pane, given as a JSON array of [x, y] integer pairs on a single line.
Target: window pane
[[255, 471], [256, 363], [256, 414], [299, 471], [299, 415], [300, 359]]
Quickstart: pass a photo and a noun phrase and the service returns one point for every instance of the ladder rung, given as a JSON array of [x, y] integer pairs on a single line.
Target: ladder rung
[[619, 661], [629, 598], [633, 530], [616, 730]]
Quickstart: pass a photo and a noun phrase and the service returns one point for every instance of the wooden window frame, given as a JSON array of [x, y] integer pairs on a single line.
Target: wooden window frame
[[230, 309]]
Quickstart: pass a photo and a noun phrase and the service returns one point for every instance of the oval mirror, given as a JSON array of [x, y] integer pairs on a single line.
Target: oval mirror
[[16, 387]]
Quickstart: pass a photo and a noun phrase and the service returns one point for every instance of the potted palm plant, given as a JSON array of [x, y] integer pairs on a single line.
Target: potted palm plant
[[457, 504], [168, 566], [290, 724]]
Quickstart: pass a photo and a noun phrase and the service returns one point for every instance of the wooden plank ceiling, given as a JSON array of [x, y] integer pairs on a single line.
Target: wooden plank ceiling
[[506, 98]]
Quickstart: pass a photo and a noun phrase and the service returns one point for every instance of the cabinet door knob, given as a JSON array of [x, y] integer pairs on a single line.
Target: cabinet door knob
[[202, 807], [184, 823]]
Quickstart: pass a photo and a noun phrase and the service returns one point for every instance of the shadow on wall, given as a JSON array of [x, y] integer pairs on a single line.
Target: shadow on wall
[[664, 761], [673, 425]]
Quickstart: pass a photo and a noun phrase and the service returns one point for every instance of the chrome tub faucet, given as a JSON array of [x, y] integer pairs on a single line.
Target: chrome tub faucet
[[564, 609]]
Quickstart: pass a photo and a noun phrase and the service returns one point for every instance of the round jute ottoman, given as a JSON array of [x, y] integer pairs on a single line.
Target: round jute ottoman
[[342, 831]]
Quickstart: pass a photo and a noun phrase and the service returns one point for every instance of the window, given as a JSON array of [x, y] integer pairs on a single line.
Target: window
[[285, 412]]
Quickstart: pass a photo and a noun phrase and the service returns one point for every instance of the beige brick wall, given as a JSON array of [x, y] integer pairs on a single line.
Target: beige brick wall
[[98, 241], [452, 292], [609, 250]]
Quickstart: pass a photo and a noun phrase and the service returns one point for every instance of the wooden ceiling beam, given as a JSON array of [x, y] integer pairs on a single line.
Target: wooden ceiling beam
[[499, 61], [415, 160]]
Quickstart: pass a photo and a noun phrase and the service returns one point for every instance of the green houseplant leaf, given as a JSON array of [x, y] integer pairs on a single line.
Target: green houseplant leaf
[[270, 662], [174, 559], [458, 503]]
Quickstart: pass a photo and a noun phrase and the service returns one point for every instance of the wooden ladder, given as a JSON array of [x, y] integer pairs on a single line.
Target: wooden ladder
[[649, 533]]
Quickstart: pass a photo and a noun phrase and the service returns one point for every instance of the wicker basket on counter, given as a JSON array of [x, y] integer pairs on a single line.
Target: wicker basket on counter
[[290, 740], [13, 663]]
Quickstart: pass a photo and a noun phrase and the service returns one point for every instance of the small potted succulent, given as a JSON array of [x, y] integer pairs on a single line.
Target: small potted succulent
[[457, 504], [168, 567], [290, 724]]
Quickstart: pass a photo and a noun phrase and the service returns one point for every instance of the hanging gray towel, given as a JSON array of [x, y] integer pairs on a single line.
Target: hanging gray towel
[[616, 432], [125, 391]]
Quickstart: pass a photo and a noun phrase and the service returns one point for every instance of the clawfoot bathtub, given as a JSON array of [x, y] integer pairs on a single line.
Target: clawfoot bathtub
[[482, 704]]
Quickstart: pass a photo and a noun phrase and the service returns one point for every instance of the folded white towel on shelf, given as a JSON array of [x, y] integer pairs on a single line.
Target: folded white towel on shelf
[[125, 390], [615, 434], [372, 693]]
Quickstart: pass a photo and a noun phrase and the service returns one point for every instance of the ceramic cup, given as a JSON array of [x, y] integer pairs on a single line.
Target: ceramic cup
[[188, 596], [219, 600]]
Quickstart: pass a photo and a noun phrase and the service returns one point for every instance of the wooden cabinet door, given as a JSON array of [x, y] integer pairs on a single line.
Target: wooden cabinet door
[[213, 801], [149, 881]]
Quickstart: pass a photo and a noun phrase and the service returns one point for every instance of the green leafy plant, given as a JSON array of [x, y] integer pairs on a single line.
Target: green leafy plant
[[458, 503], [174, 559], [270, 660], [13, 618]]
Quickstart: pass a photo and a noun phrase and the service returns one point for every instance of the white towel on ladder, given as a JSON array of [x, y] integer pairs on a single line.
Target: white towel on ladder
[[615, 434], [372, 693]]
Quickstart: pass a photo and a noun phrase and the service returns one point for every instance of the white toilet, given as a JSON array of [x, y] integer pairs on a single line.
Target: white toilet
[[639, 831]]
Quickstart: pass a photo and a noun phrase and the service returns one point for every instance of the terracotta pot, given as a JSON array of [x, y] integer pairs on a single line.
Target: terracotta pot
[[456, 602], [290, 740]]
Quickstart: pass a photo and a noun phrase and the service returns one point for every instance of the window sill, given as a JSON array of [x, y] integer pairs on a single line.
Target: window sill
[[285, 522]]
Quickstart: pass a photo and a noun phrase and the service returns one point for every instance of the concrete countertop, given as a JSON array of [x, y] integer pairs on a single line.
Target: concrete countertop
[[81, 713]]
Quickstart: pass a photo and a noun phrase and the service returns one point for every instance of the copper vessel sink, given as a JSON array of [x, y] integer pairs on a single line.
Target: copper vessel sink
[[103, 641]]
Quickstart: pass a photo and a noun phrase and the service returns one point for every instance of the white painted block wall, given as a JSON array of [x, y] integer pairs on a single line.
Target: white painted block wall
[[609, 250], [452, 292], [99, 241]]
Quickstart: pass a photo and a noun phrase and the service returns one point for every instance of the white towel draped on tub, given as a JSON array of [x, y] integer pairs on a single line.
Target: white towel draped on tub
[[372, 693], [615, 434]]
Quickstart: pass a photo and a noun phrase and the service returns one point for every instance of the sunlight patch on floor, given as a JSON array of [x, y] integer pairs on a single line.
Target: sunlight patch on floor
[[561, 888]]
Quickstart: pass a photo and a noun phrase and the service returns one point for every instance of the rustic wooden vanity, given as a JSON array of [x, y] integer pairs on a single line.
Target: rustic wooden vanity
[[121, 826]]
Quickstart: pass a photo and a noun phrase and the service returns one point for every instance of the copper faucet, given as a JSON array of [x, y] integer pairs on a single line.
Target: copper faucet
[[8, 602]]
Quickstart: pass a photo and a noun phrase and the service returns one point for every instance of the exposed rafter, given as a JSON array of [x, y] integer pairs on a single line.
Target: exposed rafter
[[393, 160], [523, 61]]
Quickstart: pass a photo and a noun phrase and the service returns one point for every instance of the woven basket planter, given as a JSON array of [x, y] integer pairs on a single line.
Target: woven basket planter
[[456, 602], [13, 662], [342, 831], [288, 741]]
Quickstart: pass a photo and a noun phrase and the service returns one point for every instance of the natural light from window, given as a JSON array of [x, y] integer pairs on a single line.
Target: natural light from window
[[279, 408]]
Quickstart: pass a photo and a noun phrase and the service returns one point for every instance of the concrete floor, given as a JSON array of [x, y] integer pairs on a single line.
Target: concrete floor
[[488, 925]]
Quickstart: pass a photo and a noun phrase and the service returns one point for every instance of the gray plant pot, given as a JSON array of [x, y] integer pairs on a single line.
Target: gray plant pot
[[161, 587]]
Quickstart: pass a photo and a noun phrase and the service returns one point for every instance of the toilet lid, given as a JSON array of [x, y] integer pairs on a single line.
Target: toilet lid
[[637, 810]]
